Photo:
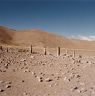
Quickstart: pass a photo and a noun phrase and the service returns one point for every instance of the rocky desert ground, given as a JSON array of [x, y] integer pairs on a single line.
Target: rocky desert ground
[[45, 70], [23, 73]]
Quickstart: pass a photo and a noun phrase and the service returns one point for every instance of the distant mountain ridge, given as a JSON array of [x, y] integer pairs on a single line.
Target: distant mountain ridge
[[40, 38]]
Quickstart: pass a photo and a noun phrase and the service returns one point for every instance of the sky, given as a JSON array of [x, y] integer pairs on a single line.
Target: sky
[[71, 18]]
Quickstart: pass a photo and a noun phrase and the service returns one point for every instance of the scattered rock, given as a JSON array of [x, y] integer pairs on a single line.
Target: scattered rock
[[48, 80], [22, 81], [26, 70], [22, 60], [31, 56], [66, 79], [83, 90], [74, 89], [1, 90], [79, 91], [33, 73], [25, 94], [6, 66], [8, 82], [80, 56], [8, 86], [78, 76], [40, 79]]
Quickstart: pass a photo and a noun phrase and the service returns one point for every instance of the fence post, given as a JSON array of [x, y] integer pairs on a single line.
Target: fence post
[[31, 49], [45, 53], [74, 54], [1, 48], [7, 49], [58, 51]]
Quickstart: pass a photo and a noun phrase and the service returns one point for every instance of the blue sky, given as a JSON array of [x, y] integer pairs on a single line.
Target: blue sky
[[64, 17]]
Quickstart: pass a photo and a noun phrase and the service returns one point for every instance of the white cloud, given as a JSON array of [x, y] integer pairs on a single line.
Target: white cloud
[[80, 37]]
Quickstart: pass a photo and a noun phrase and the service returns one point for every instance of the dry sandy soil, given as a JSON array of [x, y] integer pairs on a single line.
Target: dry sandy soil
[[23, 73]]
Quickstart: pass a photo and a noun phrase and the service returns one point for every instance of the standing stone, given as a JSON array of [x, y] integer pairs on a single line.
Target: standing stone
[[31, 49], [45, 53], [58, 51]]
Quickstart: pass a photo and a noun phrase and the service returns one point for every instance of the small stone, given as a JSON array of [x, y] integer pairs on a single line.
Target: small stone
[[25, 94], [58, 77], [26, 70], [83, 90], [6, 66], [40, 79], [78, 61], [22, 81], [48, 80], [66, 79], [78, 91], [4, 71], [80, 56], [78, 76], [22, 60], [8, 86], [31, 56], [33, 73], [10, 82], [75, 88], [1, 90]]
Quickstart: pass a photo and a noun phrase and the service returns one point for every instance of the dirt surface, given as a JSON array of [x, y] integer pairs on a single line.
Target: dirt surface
[[31, 74]]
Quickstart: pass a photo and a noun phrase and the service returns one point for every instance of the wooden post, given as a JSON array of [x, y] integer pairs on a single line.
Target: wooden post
[[31, 49], [58, 51], [7, 49], [45, 53], [1, 48], [74, 54]]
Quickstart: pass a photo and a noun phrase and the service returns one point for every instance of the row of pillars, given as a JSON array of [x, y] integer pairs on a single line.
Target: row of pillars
[[58, 51], [45, 51]]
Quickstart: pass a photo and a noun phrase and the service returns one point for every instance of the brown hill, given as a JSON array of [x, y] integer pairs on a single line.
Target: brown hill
[[6, 35], [40, 38], [32, 37]]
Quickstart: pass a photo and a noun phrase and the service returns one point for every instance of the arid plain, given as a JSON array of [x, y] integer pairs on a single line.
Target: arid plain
[[38, 63]]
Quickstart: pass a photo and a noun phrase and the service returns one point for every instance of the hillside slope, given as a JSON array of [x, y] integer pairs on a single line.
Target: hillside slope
[[6, 35], [40, 38]]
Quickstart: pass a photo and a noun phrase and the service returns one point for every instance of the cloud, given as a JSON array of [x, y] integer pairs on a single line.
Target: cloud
[[80, 37]]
